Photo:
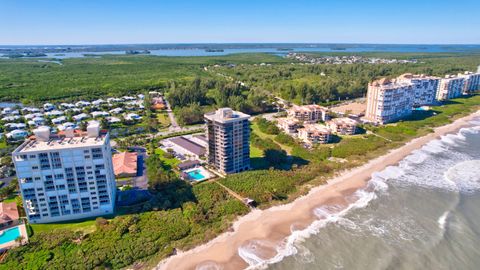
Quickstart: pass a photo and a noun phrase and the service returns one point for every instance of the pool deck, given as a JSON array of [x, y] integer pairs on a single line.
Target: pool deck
[[203, 171], [23, 233]]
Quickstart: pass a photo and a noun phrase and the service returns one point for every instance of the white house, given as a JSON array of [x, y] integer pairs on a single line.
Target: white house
[[55, 113], [114, 100], [82, 103], [99, 114], [12, 126], [48, 107], [7, 110], [133, 116], [113, 119], [67, 105], [10, 118], [38, 120], [30, 109], [116, 111], [66, 125], [17, 134], [98, 102], [59, 120], [80, 117]]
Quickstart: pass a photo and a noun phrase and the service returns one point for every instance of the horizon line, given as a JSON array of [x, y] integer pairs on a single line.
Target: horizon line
[[242, 43]]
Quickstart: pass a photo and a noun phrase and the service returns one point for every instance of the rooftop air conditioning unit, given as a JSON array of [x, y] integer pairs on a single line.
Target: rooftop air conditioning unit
[[69, 132], [42, 133], [93, 129]]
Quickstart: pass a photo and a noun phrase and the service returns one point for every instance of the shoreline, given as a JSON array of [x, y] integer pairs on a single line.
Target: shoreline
[[266, 229]]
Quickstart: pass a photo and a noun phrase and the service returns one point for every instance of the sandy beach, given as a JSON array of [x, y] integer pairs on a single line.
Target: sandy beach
[[266, 229]]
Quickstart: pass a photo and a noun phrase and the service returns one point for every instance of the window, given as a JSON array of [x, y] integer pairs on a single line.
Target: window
[[34, 167], [44, 161], [59, 176], [97, 153], [56, 161]]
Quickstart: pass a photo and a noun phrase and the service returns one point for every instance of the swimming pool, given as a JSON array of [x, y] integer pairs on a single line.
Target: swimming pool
[[9, 235], [196, 175]]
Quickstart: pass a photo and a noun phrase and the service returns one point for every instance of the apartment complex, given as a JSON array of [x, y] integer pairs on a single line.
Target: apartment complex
[[344, 125], [228, 134], [314, 133], [424, 87], [389, 100], [66, 176], [472, 82], [308, 113], [288, 125], [450, 87]]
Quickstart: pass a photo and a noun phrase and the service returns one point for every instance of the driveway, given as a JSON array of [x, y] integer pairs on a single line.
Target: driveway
[[141, 181]]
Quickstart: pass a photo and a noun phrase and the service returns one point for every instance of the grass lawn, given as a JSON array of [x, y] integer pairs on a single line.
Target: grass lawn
[[262, 135], [255, 152], [163, 119], [172, 162], [3, 144], [10, 199], [86, 226]]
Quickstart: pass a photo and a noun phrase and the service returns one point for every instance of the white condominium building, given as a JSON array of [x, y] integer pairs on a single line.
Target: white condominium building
[[389, 100], [288, 125], [228, 135], [425, 87], [66, 176], [343, 125], [450, 87], [314, 133], [308, 113], [472, 82]]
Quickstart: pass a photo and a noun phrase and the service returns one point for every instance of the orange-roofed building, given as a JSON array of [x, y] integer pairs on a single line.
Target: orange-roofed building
[[125, 164], [158, 103], [8, 214]]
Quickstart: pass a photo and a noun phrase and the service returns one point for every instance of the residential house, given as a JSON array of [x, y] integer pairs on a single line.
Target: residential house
[[125, 164]]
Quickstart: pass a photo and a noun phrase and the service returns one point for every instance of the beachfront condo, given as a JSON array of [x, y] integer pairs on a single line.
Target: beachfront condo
[[450, 87], [314, 133], [308, 113], [424, 87], [389, 100], [228, 134], [288, 125], [472, 82], [343, 125], [66, 176]]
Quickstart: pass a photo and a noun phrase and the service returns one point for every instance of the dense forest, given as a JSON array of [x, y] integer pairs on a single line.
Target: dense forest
[[306, 84]]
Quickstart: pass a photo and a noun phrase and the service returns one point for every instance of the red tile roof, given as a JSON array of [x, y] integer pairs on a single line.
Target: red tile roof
[[125, 163]]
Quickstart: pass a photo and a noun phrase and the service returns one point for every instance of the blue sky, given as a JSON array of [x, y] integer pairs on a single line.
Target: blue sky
[[210, 21]]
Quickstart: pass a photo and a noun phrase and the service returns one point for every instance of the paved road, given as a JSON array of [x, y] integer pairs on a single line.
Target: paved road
[[173, 122]]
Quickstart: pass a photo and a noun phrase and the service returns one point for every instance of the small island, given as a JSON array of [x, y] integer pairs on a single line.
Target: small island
[[137, 52], [214, 50]]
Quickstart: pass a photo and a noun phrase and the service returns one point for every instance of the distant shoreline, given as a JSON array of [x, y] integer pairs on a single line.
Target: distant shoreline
[[274, 224]]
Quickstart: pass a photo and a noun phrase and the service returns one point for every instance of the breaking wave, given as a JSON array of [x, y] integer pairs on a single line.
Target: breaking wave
[[453, 173], [326, 214]]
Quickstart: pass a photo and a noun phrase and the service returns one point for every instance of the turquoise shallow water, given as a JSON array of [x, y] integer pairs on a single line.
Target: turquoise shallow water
[[421, 214], [9, 235]]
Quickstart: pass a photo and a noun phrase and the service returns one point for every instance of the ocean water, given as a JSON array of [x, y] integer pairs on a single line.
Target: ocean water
[[422, 214]]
